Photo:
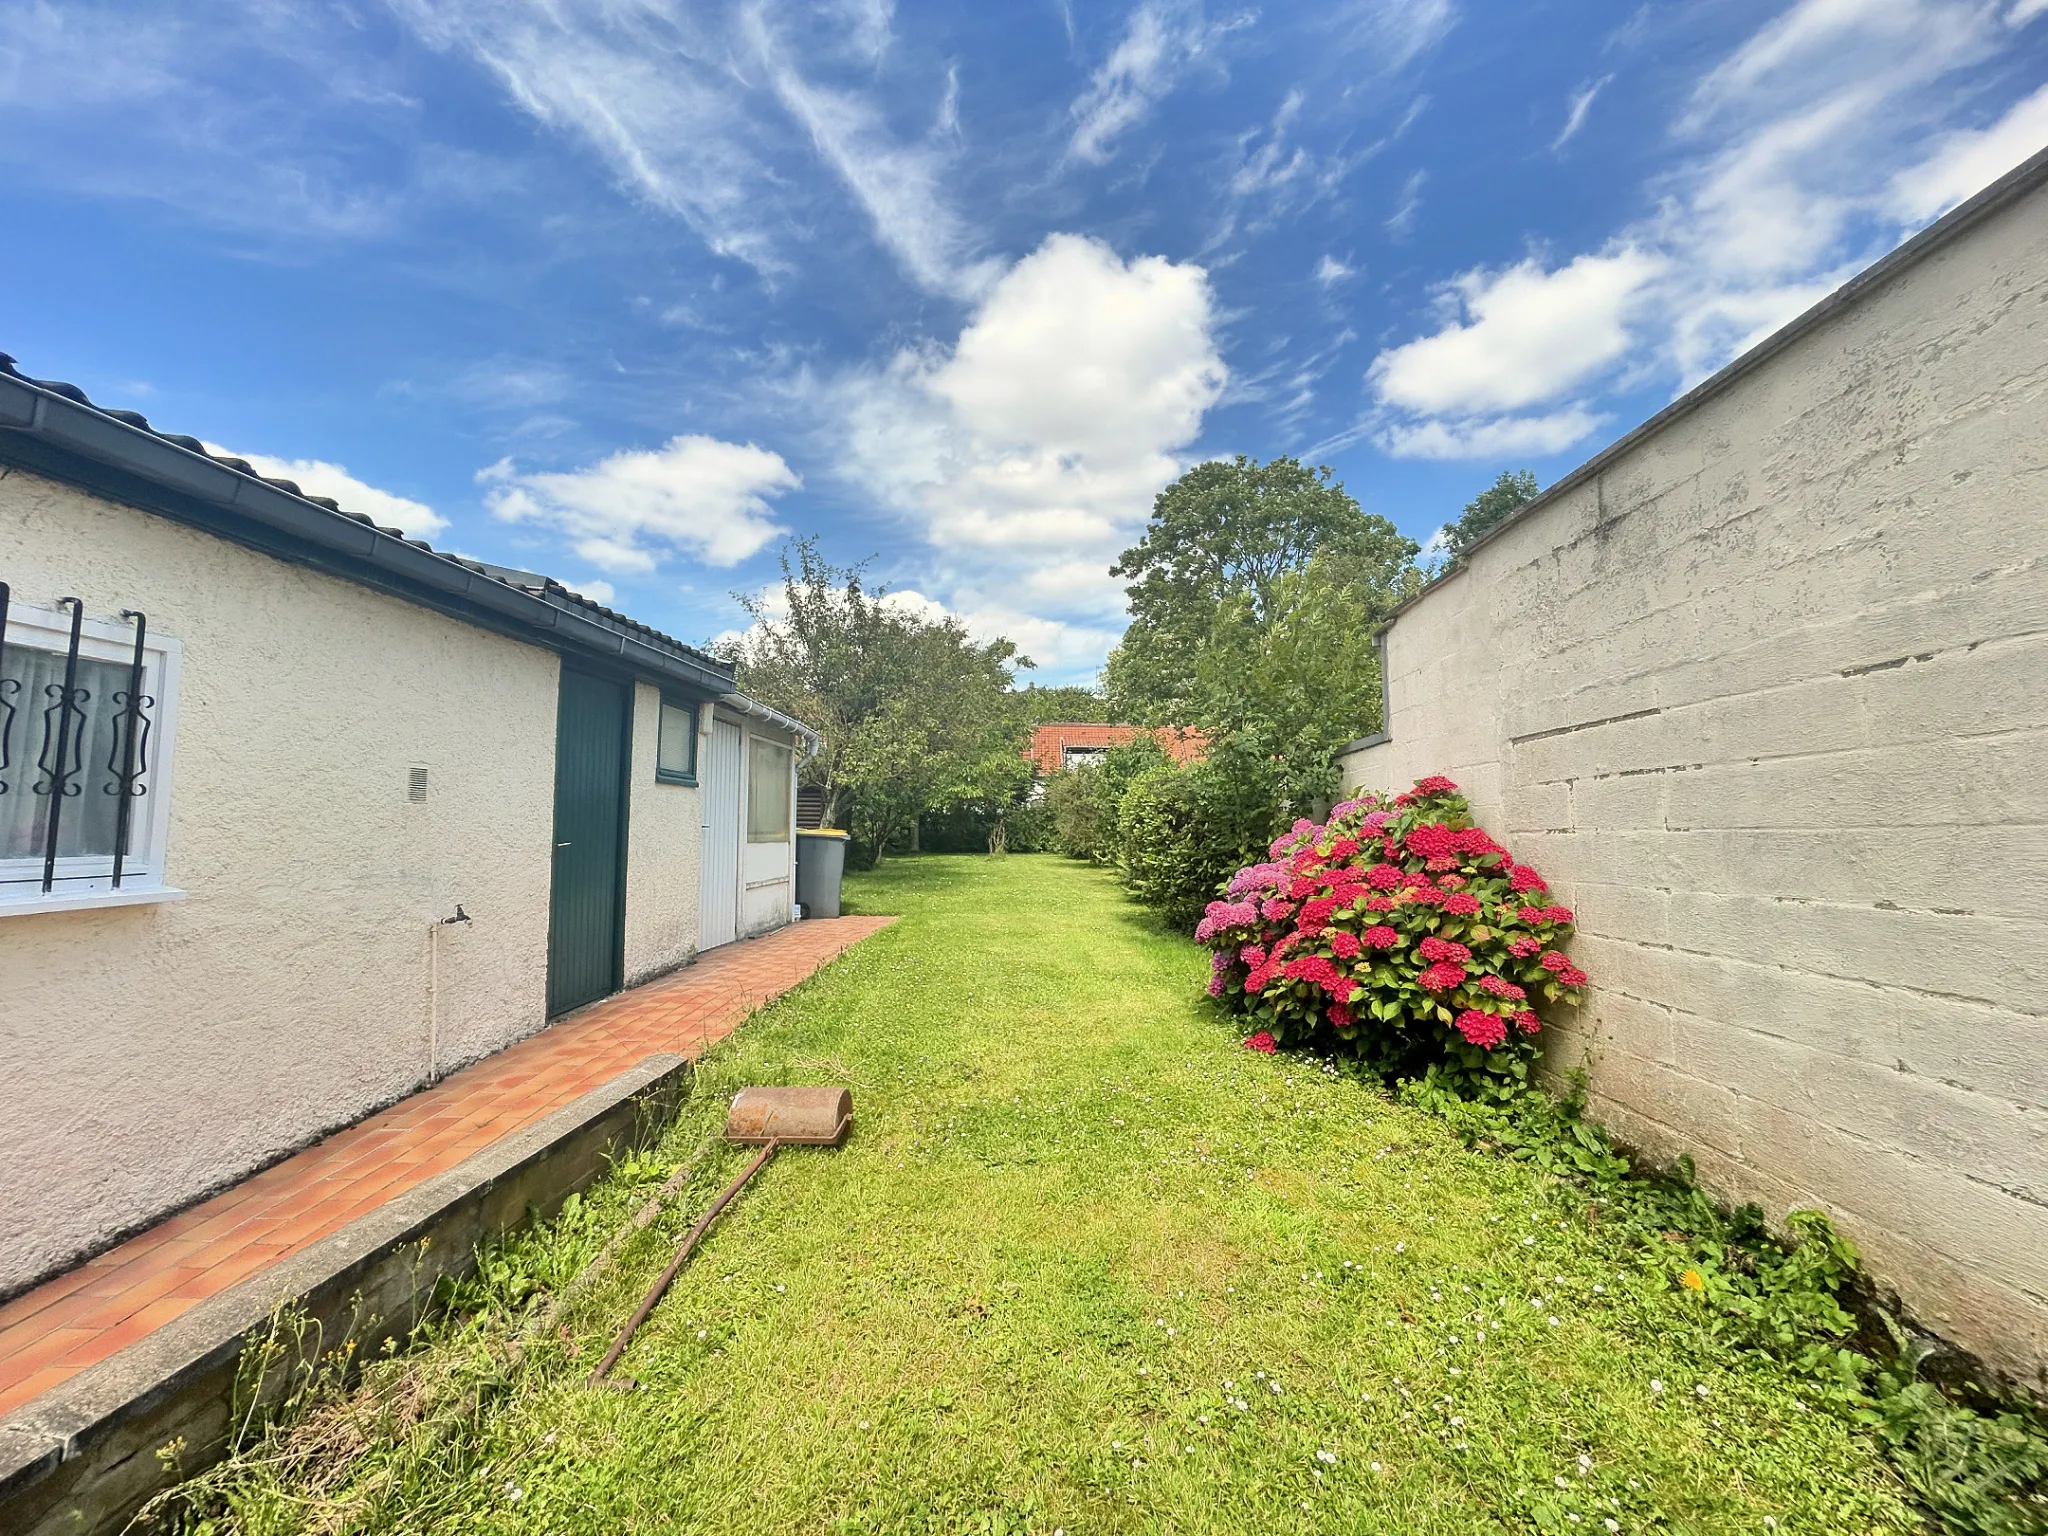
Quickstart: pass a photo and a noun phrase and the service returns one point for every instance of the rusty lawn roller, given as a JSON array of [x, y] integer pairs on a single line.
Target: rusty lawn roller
[[770, 1118]]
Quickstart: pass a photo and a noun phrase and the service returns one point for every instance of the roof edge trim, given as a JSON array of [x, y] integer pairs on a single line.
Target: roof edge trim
[[75, 440]]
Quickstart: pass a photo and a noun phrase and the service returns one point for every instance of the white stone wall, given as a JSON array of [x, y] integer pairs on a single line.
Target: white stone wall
[[664, 841], [1767, 699], [148, 1054]]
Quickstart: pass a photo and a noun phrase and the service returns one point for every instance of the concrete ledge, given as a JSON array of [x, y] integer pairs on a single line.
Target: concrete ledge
[[83, 1457]]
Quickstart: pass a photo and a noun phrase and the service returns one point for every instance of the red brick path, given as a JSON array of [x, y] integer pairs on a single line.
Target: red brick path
[[56, 1330]]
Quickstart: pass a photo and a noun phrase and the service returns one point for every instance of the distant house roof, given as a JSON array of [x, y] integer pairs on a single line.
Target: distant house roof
[[1051, 743], [53, 429]]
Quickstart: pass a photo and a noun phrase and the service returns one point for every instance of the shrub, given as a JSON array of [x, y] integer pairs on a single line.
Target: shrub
[[1159, 838], [1180, 832], [1398, 933], [1084, 800], [1083, 820], [969, 826], [1029, 828]]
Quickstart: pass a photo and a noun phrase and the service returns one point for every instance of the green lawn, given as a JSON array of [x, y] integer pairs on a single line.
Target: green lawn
[[1088, 1266]]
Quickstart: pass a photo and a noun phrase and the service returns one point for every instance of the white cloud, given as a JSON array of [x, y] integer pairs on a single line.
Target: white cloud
[[1496, 437], [1401, 222], [1394, 31], [1971, 159], [648, 92], [696, 495], [1270, 166], [2024, 11], [1330, 271], [223, 113], [597, 591], [1575, 114], [1518, 336], [1790, 186], [1161, 39], [317, 477], [1029, 451], [700, 113], [897, 182]]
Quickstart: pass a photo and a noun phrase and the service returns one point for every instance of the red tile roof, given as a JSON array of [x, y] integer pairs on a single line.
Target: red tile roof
[[1184, 744]]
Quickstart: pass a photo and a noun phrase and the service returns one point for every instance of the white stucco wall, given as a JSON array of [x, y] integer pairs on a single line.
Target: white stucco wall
[[1767, 699], [665, 837], [152, 1053]]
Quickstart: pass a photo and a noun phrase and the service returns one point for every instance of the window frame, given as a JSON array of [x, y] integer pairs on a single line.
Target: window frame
[[756, 741], [686, 777], [88, 880]]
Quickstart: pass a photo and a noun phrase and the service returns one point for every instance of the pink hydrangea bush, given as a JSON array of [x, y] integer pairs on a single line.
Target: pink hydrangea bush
[[1399, 933]]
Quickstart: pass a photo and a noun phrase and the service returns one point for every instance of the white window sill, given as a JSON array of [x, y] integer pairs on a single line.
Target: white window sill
[[84, 901]]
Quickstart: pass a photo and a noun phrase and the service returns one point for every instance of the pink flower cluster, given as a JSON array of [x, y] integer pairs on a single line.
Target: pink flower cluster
[[1392, 924]]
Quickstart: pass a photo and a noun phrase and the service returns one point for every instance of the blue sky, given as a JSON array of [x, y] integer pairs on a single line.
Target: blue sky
[[631, 290]]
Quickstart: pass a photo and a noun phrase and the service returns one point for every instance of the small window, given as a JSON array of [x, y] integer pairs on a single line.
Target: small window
[[675, 754], [100, 753], [768, 791]]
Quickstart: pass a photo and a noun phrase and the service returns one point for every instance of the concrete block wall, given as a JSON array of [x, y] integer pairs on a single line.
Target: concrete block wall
[[1764, 692]]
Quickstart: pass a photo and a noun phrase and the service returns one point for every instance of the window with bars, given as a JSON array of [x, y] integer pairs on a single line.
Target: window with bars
[[85, 714]]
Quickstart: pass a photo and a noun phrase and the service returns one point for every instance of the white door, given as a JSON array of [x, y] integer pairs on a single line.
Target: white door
[[718, 905]]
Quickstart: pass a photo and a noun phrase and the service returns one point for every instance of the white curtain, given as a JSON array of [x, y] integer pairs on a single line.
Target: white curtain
[[86, 826]]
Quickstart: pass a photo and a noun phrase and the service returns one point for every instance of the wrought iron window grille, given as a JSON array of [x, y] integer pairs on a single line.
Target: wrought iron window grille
[[61, 773]]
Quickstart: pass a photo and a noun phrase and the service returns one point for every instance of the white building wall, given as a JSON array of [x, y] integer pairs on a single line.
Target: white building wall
[[1766, 697], [665, 838], [152, 1053]]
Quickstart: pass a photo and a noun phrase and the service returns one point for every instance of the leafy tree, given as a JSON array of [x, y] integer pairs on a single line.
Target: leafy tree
[[1493, 506], [913, 711], [1283, 695], [1228, 533], [1255, 594]]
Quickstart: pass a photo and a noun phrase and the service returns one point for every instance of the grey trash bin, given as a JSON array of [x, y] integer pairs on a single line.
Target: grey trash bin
[[820, 862]]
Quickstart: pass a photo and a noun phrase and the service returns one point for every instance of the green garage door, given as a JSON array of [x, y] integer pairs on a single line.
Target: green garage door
[[586, 915]]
